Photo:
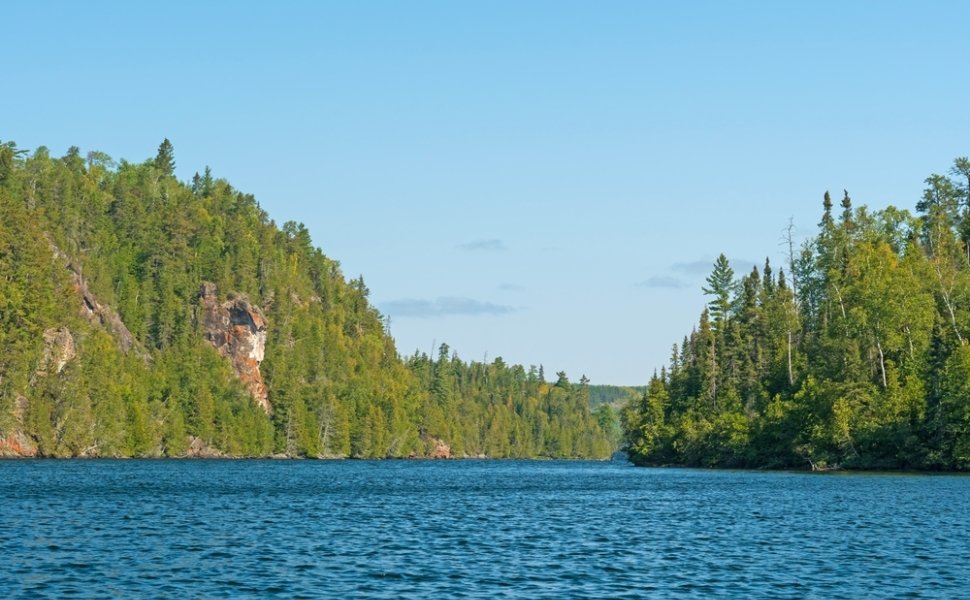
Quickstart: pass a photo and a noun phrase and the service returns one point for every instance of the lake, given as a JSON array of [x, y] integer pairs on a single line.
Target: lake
[[412, 529]]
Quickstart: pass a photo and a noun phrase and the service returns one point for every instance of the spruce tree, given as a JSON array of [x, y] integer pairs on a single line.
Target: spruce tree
[[165, 159], [721, 285]]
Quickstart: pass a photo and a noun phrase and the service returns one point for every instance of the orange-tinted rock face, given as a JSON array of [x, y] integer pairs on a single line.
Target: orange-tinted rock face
[[237, 329], [16, 445]]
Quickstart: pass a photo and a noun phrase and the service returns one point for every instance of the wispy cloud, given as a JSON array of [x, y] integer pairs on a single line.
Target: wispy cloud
[[743, 267], [704, 266], [511, 287], [442, 307], [695, 267], [664, 282], [493, 245]]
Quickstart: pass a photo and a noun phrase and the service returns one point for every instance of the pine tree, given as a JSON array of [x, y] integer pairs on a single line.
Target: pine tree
[[721, 285], [165, 159], [867, 369], [207, 182], [846, 210]]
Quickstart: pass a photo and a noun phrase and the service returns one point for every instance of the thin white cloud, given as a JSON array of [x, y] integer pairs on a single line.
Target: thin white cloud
[[704, 266], [695, 267], [663, 282], [442, 307], [493, 245]]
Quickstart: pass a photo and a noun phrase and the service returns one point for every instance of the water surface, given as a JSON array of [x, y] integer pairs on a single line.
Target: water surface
[[392, 529]]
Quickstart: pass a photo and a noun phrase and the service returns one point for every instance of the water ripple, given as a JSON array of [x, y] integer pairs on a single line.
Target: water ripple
[[476, 529]]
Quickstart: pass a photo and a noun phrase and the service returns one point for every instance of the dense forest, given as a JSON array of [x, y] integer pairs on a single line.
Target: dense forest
[[613, 394], [144, 316], [857, 358]]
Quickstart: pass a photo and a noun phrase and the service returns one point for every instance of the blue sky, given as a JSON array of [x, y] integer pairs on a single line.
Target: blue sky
[[544, 181]]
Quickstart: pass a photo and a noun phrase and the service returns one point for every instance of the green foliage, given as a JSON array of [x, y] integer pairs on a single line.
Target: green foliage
[[613, 394], [860, 361], [499, 410], [721, 285], [165, 159], [140, 244]]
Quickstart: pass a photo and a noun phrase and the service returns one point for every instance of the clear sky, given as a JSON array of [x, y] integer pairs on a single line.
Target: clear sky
[[544, 181]]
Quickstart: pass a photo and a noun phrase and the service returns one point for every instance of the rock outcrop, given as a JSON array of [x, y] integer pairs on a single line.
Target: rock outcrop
[[14, 443], [17, 445], [99, 314], [199, 449], [437, 448], [237, 329], [58, 350]]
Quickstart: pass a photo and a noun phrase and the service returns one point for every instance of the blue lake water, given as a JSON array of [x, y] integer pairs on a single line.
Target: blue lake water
[[393, 529]]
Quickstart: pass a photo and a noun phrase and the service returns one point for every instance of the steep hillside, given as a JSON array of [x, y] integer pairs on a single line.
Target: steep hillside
[[143, 316]]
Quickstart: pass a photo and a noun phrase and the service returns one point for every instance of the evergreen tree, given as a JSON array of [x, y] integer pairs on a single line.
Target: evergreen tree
[[721, 285], [146, 382], [866, 369], [165, 159]]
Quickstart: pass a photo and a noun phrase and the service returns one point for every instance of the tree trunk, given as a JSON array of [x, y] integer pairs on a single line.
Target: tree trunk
[[949, 308], [714, 374], [323, 436], [841, 303], [791, 376], [882, 364]]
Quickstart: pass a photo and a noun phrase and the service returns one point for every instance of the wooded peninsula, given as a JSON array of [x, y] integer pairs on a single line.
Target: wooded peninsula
[[858, 357]]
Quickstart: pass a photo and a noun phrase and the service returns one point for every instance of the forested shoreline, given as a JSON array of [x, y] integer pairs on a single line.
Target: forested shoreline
[[144, 316], [856, 358]]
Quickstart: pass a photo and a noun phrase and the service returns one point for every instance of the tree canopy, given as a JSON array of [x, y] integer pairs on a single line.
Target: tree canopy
[[102, 351], [859, 359]]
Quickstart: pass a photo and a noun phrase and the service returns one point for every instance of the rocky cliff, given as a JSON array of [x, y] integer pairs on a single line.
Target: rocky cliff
[[237, 329], [59, 350], [97, 313]]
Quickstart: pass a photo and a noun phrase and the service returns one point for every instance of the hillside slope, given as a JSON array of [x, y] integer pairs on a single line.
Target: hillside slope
[[143, 316]]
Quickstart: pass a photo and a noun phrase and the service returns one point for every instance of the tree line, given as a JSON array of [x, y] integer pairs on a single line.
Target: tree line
[[143, 242], [858, 357]]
